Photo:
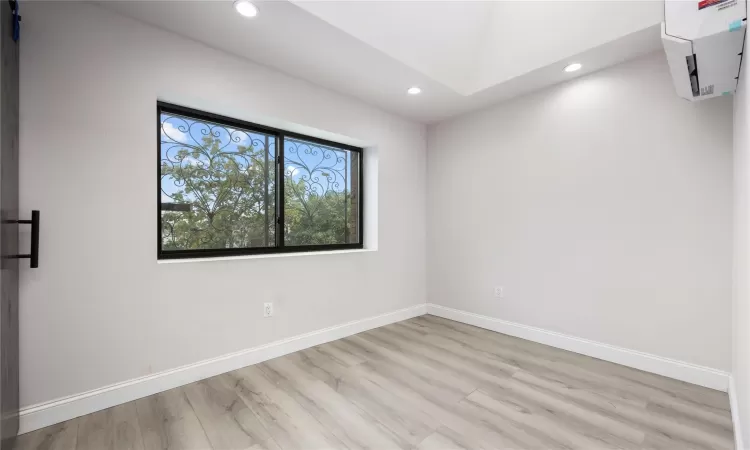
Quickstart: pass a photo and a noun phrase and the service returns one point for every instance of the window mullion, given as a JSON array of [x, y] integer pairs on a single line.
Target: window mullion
[[279, 228]]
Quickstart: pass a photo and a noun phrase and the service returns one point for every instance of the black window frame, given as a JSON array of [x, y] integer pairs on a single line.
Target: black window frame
[[279, 134]]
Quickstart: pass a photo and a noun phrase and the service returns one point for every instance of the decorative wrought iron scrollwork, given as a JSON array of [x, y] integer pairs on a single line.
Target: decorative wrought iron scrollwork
[[226, 175], [318, 189]]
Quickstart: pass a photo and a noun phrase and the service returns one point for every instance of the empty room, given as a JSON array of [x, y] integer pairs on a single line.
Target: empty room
[[374, 224]]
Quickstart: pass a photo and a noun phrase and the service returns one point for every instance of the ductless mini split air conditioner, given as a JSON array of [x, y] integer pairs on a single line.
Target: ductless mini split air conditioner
[[704, 41]]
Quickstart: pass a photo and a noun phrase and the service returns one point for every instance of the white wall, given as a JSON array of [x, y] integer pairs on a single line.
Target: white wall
[[741, 303], [603, 205], [99, 309]]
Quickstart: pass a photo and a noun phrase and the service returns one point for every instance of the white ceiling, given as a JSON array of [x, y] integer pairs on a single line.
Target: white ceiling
[[464, 55], [437, 38]]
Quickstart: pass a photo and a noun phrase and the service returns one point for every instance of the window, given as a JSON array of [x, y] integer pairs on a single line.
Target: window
[[228, 187]]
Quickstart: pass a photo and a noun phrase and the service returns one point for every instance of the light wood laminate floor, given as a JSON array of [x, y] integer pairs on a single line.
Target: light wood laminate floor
[[425, 383]]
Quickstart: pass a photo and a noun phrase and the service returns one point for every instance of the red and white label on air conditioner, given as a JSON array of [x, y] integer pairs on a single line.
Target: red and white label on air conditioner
[[702, 4]]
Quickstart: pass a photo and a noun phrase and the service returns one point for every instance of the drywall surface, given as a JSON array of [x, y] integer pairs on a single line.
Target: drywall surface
[[741, 297], [100, 309], [440, 39], [471, 46], [538, 33], [602, 205]]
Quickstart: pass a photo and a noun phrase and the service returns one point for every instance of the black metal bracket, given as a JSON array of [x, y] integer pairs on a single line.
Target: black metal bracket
[[34, 255], [16, 17]]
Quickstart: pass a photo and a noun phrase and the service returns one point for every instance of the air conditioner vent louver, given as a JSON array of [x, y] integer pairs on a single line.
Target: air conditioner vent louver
[[693, 74]]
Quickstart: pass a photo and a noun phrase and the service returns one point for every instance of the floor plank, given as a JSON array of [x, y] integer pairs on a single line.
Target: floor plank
[[290, 425], [353, 426], [426, 383], [168, 422], [62, 436], [227, 421], [115, 428]]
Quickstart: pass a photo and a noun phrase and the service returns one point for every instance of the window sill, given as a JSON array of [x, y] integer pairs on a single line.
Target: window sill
[[266, 256]]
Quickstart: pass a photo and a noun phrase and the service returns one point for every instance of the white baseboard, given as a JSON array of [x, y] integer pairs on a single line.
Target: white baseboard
[[49, 413], [44, 414], [738, 444], [690, 373]]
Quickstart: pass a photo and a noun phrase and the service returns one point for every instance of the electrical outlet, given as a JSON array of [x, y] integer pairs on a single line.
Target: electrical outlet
[[267, 309], [499, 291]]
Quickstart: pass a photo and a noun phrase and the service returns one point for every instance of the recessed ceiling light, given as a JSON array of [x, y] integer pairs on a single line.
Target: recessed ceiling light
[[246, 8], [573, 67], [414, 90]]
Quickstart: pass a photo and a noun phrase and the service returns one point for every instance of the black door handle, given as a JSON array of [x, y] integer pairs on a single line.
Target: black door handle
[[34, 255]]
